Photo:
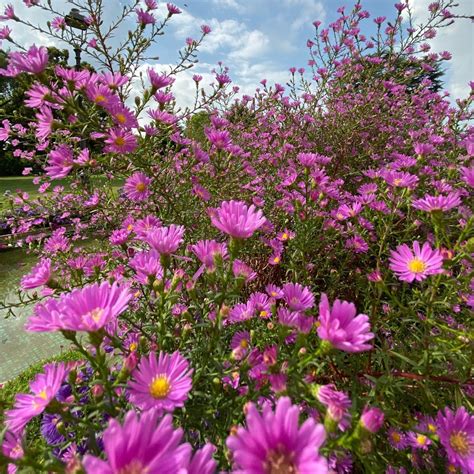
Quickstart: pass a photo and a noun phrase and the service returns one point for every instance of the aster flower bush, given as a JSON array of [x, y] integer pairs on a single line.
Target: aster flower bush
[[289, 291]]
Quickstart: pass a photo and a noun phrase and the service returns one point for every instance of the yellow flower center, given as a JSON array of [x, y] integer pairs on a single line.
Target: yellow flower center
[[160, 387], [460, 443], [284, 236], [135, 467], [99, 98], [397, 182], [421, 439], [396, 437], [130, 227], [121, 118], [244, 343], [43, 394], [339, 216], [416, 265], [431, 428], [96, 314], [274, 293], [276, 260], [278, 463], [452, 468], [133, 346], [263, 314], [120, 141], [140, 187]]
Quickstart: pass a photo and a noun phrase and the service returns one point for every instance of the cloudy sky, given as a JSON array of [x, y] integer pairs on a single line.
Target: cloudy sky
[[260, 39]]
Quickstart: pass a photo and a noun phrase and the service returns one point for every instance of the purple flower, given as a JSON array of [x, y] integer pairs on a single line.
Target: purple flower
[[418, 440], [34, 61], [240, 344], [172, 9], [120, 141], [372, 419], [415, 264], [297, 297], [44, 388], [40, 275], [342, 328], [337, 405], [148, 267], [137, 187], [467, 175], [60, 162], [456, 433], [241, 312], [162, 382], [237, 219], [49, 429], [397, 439], [437, 203], [242, 270], [272, 442], [144, 18], [165, 240], [85, 309], [202, 461], [208, 250], [158, 81], [142, 444]]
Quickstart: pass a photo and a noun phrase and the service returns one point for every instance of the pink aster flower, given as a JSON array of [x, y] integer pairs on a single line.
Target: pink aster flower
[[145, 18], [161, 382], [342, 328], [337, 405], [33, 61], [165, 240], [456, 433], [141, 444], [202, 461], [397, 439], [142, 226], [120, 141], [9, 13], [273, 442], [44, 388], [240, 344], [147, 265], [238, 220], [172, 9], [241, 312], [60, 162], [415, 264], [241, 270], [208, 250], [467, 175], [401, 179], [44, 124], [137, 187], [437, 203], [220, 139], [418, 440], [12, 448], [40, 275], [372, 419], [86, 309], [158, 81], [297, 297]]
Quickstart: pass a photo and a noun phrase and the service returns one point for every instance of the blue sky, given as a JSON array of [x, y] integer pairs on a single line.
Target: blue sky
[[262, 38]]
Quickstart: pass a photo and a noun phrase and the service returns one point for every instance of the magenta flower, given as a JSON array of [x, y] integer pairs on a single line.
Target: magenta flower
[[467, 175], [208, 250], [148, 267], [165, 240], [437, 203], [60, 162], [220, 139], [272, 442], [456, 433], [86, 309], [137, 187], [40, 275], [241, 312], [162, 382], [297, 297], [240, 344], [418, 440], [33, 61], [372, 419], [120, 141], [172, 9], [12, 448], [158, 81], [242, 270], [202, 461], [44, 388], [415, 264], [397, 439], [145, 18], [238, 220], [342, 328], [337, 405], [142, 444]]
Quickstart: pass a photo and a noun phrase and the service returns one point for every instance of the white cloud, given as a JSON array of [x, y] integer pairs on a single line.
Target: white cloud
[[458, 40], [228, 4], [309, 10]]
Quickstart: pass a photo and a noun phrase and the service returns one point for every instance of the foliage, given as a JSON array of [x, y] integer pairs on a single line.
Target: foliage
[[199, 298]]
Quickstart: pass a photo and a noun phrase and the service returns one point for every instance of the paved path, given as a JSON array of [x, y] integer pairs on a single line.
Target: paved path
[[18, 348]]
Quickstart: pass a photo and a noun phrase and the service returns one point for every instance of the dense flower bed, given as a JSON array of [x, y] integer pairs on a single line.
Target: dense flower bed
[[288, 289]]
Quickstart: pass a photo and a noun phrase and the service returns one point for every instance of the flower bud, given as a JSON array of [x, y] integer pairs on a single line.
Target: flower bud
[[372, 419], [97, 391]]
